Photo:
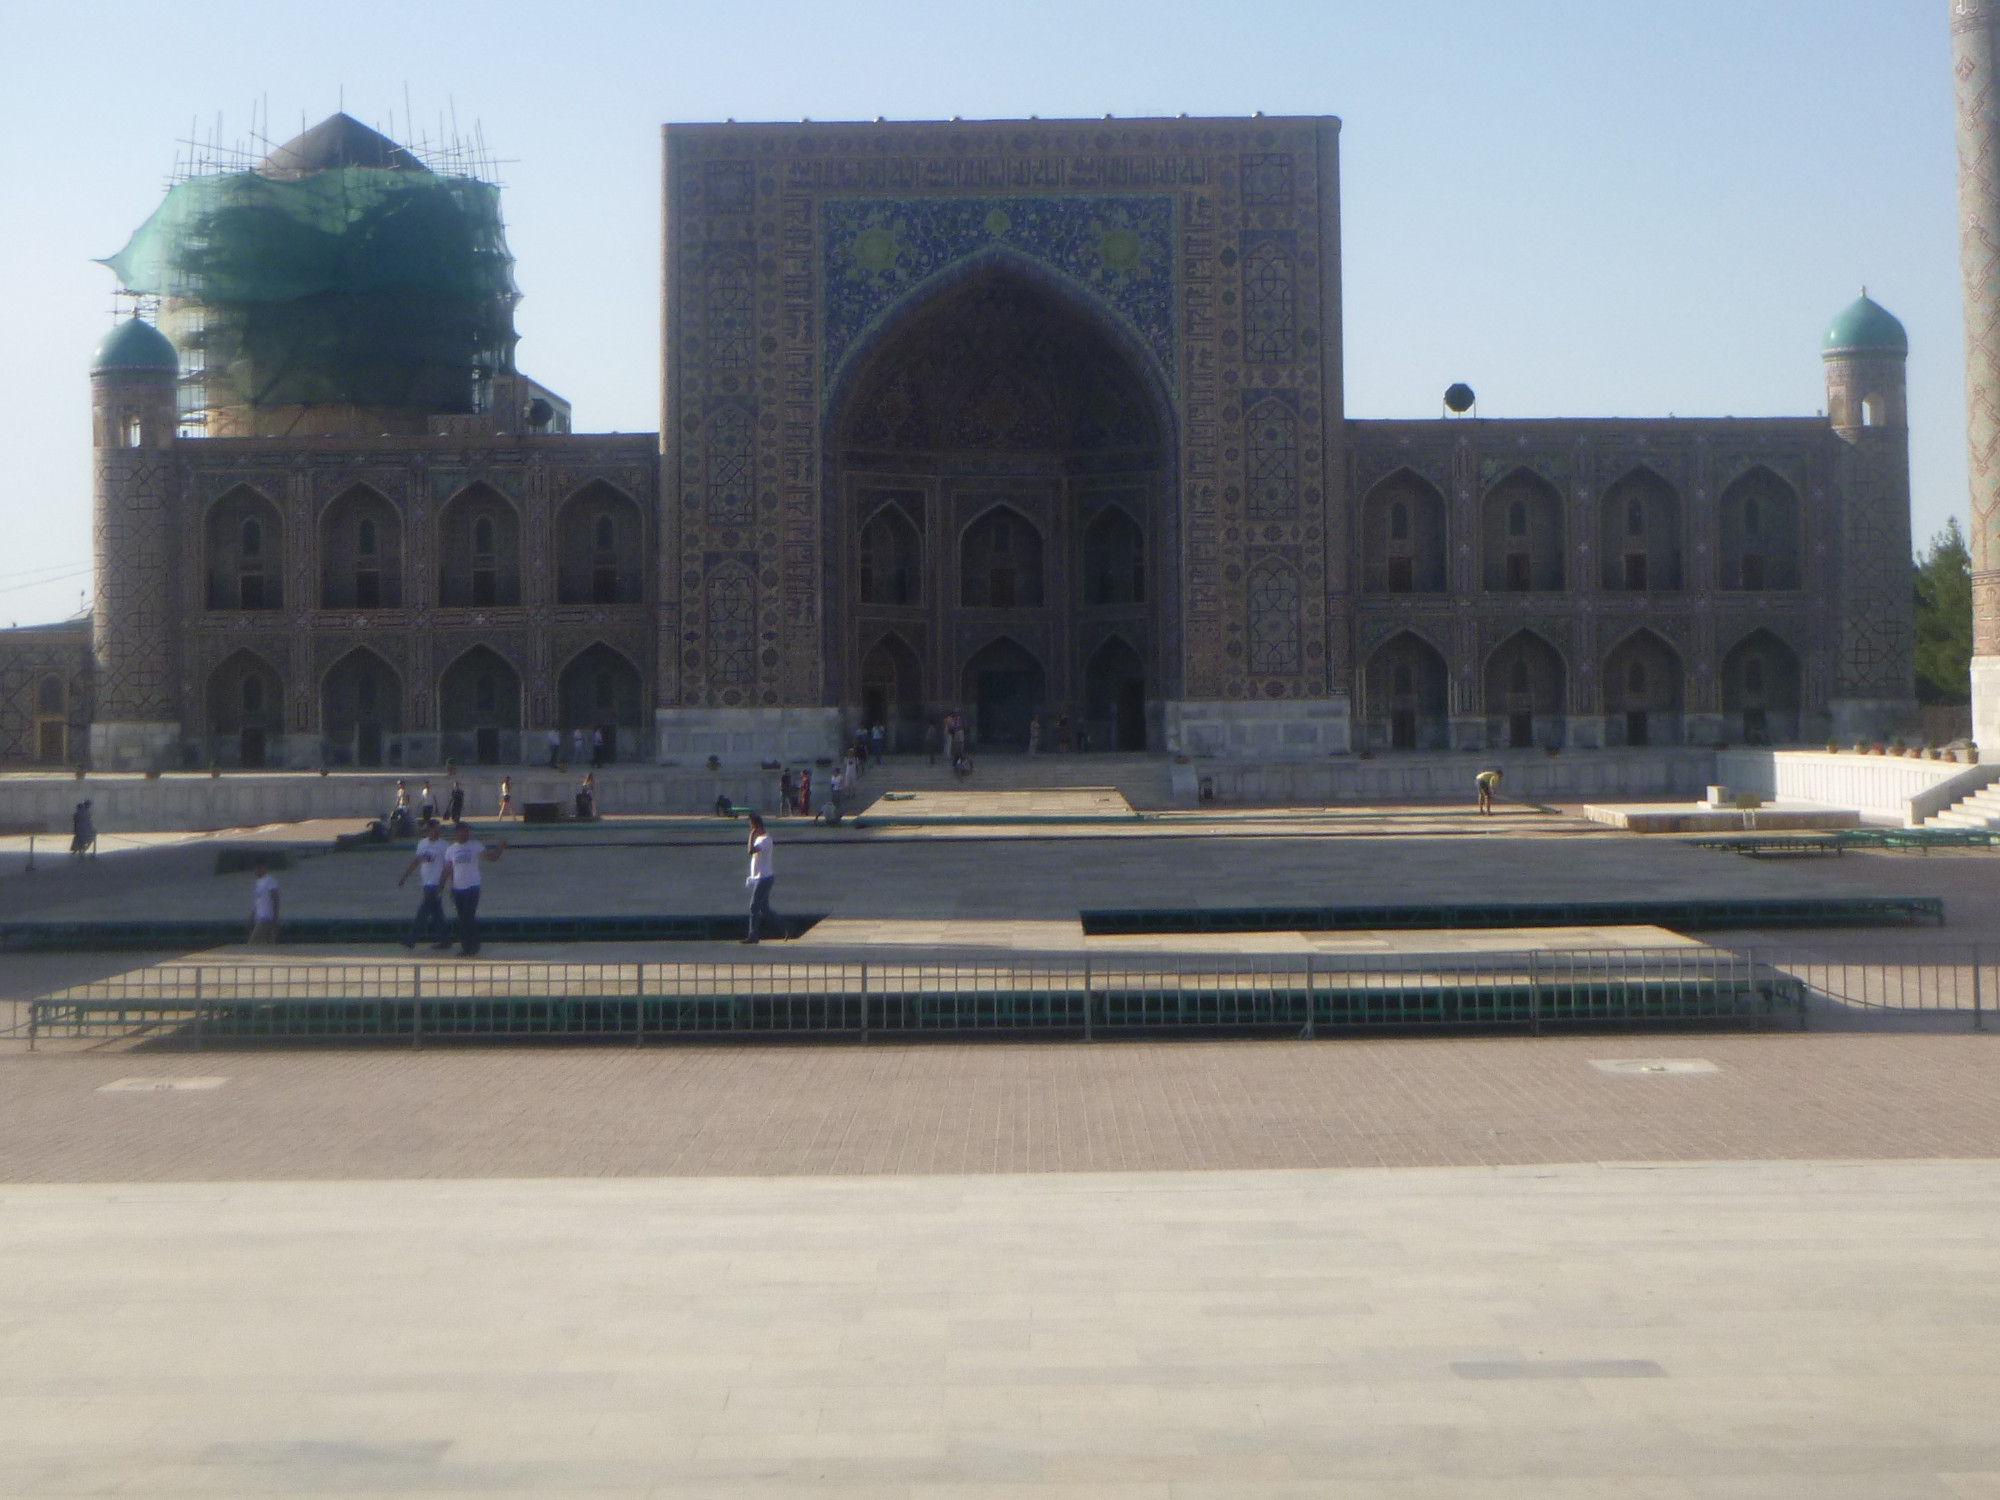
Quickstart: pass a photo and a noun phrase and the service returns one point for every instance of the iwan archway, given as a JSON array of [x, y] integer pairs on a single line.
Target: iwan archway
[[1000, 467]]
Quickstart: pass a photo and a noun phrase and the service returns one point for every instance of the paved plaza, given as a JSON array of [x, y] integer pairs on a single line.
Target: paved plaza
[[1676, 1264]]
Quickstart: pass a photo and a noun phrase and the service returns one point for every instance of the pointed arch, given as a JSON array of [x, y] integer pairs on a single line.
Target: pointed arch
[[361, 704], [479, 549], [891, 557], [1114, 696], [246, 709], [600, 547], [1760, 533], [1523, 534], [1000, 557], [1114, 558], [1526, 690], [1006, 685], [1404, 536], [602, 692], [1642, 682], [479, 707], [892, 690], [1407, 688], [1762, 689], [360, 551], [1639, 533], [244, 542]]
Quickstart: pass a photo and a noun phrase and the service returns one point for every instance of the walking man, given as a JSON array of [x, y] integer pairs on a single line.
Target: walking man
[[464, 858], [82, 831], [506, 798], [596, 748], [455, 811], [759, 879], [1486, 782], [930, 744], [788, 793], [428, 862], [555, 748], [263, 907]]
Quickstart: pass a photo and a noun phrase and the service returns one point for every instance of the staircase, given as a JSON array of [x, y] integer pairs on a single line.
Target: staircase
[[1980, 810], [1145, 781]]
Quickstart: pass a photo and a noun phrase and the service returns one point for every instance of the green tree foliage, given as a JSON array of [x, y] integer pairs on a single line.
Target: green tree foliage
[[1943, 581]]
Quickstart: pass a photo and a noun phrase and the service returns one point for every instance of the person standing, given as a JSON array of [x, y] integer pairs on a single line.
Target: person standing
[[82, 830], [787, 792], [759, 879], [463, 858], [263, 906], [455, 809], [576, 746], [1486, 781], [428, 863], [555, 748], [805, 794], [586, 798], [427, 805], [930, 744], [878, 741], [1035, 735], [596, 748], [506, 798]]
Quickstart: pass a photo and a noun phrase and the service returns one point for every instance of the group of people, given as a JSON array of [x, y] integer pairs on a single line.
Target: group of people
[[403, 822], [579, 746], [1061, 740]]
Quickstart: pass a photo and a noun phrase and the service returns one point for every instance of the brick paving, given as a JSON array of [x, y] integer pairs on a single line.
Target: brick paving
[[996, 1108]]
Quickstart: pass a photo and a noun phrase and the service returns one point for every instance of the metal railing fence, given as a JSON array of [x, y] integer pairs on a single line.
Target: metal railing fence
[[199, 1003]]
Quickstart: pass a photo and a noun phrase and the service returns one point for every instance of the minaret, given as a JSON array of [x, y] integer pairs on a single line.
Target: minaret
[[1872, 693], [136, 724], [1975, 40]]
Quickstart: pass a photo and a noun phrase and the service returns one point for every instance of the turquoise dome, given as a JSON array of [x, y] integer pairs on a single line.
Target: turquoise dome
[[1865, 326], [134, 345]]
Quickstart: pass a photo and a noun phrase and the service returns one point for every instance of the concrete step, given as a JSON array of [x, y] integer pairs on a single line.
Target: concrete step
[[1145, 781], [1980, 810]]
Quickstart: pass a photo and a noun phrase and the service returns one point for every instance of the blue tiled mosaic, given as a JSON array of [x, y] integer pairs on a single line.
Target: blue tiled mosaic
[[1120, 248]]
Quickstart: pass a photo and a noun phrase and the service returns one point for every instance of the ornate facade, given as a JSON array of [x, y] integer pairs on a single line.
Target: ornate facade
[[1029, 417]]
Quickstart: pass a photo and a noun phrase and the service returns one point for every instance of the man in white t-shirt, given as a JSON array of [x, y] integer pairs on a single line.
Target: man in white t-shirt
[[263, 906], [428, 865], [759, 879], [463, 858]]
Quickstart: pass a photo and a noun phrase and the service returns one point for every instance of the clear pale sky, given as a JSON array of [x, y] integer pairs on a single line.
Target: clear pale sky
[[1582, 209]]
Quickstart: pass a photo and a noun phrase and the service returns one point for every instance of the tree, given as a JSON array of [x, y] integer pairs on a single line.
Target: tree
[[1943, 581]]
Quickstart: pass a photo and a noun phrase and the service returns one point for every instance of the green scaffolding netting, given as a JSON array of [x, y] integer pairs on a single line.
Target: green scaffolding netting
[[369, 285]]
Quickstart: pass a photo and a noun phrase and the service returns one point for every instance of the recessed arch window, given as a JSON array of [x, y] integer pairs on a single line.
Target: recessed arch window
[[244, 541], [1001, 562], [600, 547]]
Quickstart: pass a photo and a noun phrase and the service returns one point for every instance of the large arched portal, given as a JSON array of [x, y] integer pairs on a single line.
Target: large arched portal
[[1000, 468]]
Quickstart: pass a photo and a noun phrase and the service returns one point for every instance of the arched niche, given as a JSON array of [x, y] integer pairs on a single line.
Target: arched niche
[[361, 552], [479, 708], [1408, 695], [1761, 690], [479, 550], [1760, 541], [1639, 535], [1114, 559], [602, 692], [1114, 696], [1522, 535], [1000, 382], [1005, 685], [361, 708], [1000, 559], [1526, 690], [246, 711], [1403, 537], [891, 556], [243, 542], [1642, 682], [600, 547], [892, 691]]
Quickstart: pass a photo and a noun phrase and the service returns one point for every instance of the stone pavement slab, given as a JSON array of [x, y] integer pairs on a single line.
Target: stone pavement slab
[[1704, 1332]]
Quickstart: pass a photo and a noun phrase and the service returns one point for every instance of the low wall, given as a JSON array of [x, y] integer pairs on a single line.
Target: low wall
[[244, 799], [1897, 789], [1420, 776]]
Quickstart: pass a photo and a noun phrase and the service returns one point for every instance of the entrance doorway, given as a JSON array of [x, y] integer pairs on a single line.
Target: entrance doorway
[[1115, 697], [1521, 731], [1005, 685], [1635, 726], [1403, 729], [368, 744], [250, 748], [487, 746]]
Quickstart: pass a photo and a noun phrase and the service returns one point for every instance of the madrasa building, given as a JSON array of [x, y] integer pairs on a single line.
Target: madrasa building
[[1029, 417]]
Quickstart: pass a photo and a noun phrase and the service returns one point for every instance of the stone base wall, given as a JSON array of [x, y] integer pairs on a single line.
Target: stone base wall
[[134, 747], [1291, 729], [746, 736], [1419, 776], [1898, 789]]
